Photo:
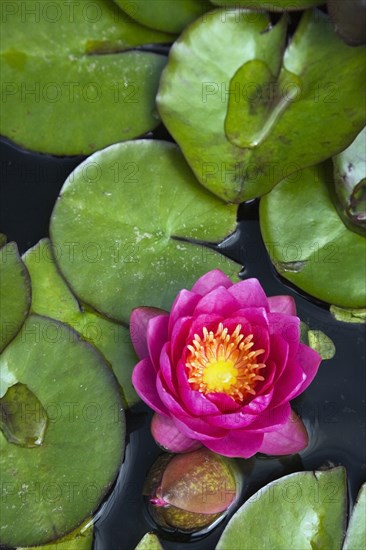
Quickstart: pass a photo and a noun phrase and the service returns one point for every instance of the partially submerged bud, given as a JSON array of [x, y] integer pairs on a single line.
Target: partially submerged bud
[[191, 491]]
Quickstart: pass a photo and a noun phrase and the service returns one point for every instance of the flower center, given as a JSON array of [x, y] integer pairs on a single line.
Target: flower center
[[224, 362]]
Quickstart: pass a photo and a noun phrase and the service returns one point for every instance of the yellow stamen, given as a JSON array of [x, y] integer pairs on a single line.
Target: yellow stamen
[[223, 362]]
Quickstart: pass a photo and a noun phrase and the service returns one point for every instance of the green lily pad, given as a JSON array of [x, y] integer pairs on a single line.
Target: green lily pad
[[80, 539], [350, 183], [165, 15], [52, 297], [149, 542], [138, 254], [356, 533], [324, 345], [62, 96], [270, 5], [305, 510], [348, 315], [308, 243], [15, 293], [49, 490], [239, 106]]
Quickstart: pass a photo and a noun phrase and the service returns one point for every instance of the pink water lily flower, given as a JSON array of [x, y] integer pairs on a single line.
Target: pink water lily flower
[[220, 369]]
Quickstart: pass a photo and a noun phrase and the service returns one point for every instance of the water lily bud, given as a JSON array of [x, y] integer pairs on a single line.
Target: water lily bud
[[191, 491]]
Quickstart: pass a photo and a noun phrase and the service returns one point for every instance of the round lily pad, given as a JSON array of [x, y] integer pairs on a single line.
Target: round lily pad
[[80, 539], [82, 91], [49, 490], [165, 15], [238, 102], [15, 293], [308, 242], [128, 227], [52, 297], [304, 510]]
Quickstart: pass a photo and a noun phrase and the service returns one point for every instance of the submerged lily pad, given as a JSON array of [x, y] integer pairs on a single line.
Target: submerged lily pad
[[305, 510], [165, 15], [239, 106], [356, 532], [49, 490], [348, 315], [15, 293], [309, 244], [138, 253], [60, 95], [270, 5], [80, 539], [52, 297], [149, 542], [350, 183]]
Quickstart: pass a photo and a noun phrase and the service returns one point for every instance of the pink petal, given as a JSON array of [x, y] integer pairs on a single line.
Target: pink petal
[[253, 321], [278, 353], [198, 429], [218, 301], [210, 281], [210, 321], [183, 306], [156, 336], [166, 368], [194, 402], [282, 304], [144, 381], [271, 419], [237, 443], [291, 438], [288, 327], [249, 293], [170, 400], [309, 360], [138, 326], [223, 402], [179, 337], [167, 435], [288, 384]]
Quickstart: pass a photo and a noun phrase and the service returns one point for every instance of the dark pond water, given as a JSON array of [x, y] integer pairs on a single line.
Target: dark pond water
[[333, 408]]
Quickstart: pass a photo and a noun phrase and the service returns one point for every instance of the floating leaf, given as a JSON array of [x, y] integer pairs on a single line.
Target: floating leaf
[[139, 253], [305, 510], [241, 121], [319, 341], [165, 15], [2, 240], [80, 539], [348, 315], [308, 242], [149, 542], [270, 5], [15, 294], [52, 297], [61, 96], [49, 490], [350, 183], [356, 533]]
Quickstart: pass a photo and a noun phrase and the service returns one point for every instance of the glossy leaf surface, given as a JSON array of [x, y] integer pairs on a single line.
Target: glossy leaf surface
[[61, 482], [356, 532], [137, 254], [350, 183], [80, 539], [309, 244], [149, 542], [305, 510], [70, 86], [165, 15], [52, 297], [15, 293], [239, 106]]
